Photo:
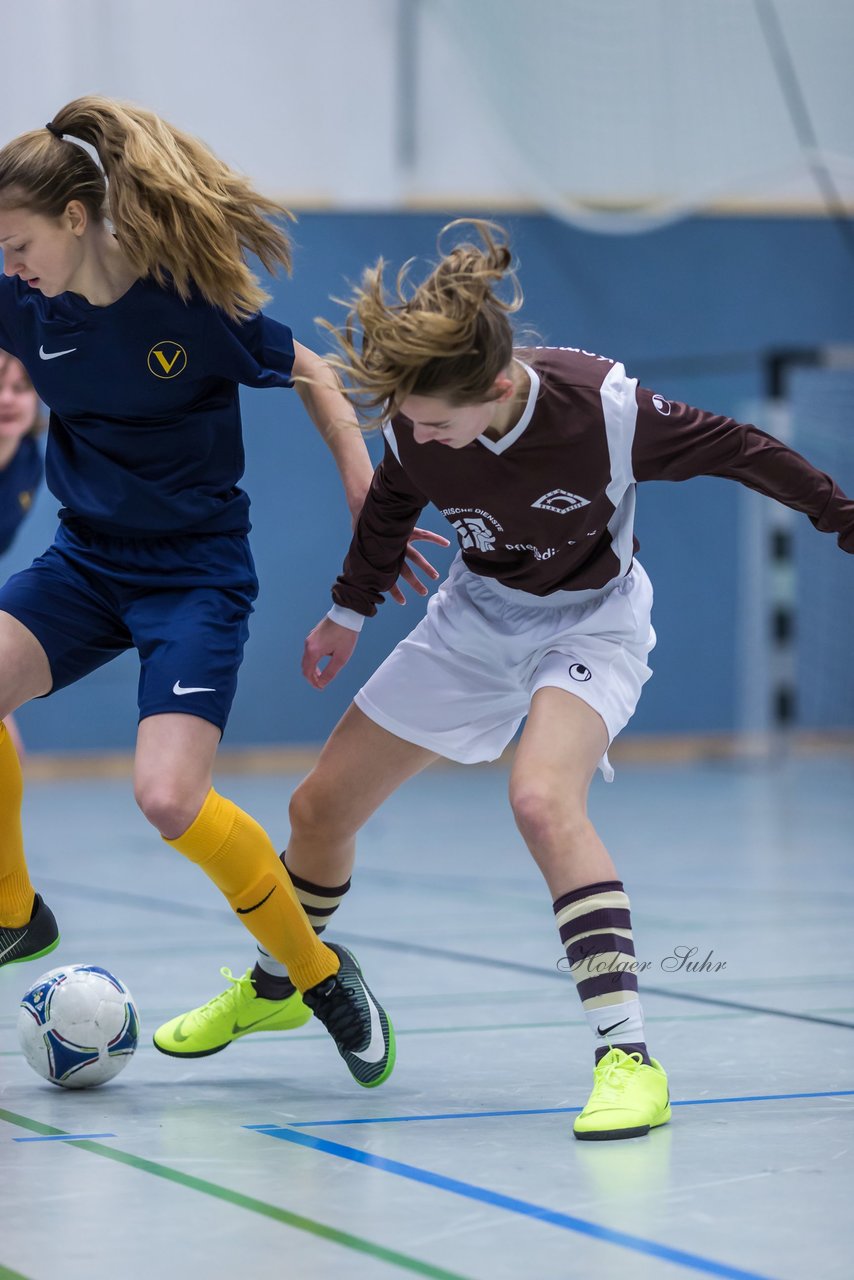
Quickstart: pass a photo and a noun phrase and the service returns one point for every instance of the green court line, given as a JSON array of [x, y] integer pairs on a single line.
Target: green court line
[[235, 1198]]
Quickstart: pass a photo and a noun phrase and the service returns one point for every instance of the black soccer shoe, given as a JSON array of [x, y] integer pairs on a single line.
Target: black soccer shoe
[[31, 940], [359, 1026]]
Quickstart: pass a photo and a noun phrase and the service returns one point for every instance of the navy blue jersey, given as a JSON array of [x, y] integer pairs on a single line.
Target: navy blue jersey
[[19, 481], [145, 434]]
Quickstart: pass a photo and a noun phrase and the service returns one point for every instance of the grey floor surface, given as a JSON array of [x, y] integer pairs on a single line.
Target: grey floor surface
[[267, 1160]]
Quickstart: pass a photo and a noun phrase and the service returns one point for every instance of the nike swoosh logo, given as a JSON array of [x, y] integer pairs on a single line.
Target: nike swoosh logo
[[244, 911], [250, 1026], [376, 1045], [14, 944], [604, 1031], [179, 1036], [54, 355], [179, 691]]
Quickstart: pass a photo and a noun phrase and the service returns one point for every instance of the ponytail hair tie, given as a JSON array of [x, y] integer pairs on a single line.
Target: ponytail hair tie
[[57, 133]]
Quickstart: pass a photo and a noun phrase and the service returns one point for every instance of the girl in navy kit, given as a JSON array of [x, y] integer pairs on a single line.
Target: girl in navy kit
[[534, 458], [128, 299]]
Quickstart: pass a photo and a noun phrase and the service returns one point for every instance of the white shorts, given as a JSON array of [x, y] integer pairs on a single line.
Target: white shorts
[[461, 683]]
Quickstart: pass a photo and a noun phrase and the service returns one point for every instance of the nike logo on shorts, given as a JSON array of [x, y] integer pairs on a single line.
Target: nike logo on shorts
[[603, 1031], [244, 911], [54, 355], [179, 691]]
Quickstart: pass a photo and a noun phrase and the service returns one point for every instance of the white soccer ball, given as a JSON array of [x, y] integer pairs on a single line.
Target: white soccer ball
[[78, 1025]]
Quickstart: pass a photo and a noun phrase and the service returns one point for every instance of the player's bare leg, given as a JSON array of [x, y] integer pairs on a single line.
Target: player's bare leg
[[360, 766], [561, 746], [558, 754]]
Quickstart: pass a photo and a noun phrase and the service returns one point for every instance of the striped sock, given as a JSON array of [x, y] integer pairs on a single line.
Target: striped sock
[[319, 903], [595, 926]]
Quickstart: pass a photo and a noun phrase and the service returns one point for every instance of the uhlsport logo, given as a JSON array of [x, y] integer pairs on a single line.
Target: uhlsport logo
[[167, 359], [560, 501]]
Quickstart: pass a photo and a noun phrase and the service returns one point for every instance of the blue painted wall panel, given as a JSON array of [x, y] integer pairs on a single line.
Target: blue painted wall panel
[[689, 310]]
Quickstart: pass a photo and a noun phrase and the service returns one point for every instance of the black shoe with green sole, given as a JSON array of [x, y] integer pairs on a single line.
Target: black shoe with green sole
[[29, 941]]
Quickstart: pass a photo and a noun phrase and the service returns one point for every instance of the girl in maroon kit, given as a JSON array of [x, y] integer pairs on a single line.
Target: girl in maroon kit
[[534, 457]]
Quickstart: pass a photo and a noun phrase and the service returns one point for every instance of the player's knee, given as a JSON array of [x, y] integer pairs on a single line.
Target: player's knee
[[545, 817], [168, 808], [316, 812]]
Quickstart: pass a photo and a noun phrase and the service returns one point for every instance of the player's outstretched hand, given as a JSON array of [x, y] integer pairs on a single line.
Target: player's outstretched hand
[[417, 561], [327, 640]]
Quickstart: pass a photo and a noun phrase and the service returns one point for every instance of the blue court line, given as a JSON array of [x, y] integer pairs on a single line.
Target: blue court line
[[470, 1191], [544, 1111], [66, 1137]]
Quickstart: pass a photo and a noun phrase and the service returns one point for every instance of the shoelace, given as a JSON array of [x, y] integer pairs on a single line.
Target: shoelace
[[218, 1002], [615, 1074], [332, 1003]]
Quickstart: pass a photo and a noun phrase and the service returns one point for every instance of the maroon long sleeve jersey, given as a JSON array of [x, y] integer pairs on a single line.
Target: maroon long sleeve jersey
[[550, 506]]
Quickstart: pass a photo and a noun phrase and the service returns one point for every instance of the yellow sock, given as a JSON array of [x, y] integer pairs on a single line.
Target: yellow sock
[[16, 892], [238, 855]]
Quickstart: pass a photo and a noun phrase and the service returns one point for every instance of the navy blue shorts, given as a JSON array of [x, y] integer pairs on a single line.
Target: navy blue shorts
[[182, 602]]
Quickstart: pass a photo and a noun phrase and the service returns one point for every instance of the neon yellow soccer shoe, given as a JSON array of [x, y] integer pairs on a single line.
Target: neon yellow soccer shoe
[[235, 1012], [628, 1099]]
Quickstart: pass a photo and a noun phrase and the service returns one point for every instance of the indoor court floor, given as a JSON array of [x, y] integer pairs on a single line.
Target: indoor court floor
[[267, 1159]]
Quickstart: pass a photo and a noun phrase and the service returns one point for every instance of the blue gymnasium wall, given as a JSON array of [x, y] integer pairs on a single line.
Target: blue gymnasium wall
[[689, 310]]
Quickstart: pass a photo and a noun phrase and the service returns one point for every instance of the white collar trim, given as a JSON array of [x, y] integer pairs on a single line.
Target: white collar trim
[[499, 446]]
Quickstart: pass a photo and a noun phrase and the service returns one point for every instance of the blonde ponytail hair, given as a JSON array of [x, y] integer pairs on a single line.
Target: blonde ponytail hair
[[176, 209], [449, 336]]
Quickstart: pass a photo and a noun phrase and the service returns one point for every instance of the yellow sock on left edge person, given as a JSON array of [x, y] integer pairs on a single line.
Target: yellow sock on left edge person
[[27, 925], [17, 894]]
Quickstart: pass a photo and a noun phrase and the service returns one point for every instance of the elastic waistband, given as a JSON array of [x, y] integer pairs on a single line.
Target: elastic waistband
[[554, 600]]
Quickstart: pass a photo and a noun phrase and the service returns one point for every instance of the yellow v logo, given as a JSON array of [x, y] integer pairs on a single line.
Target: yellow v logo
[[167, 359], [168, 365]]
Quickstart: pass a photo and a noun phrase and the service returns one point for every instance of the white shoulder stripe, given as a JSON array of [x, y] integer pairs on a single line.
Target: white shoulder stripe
[[620, 410], [388, 432]]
